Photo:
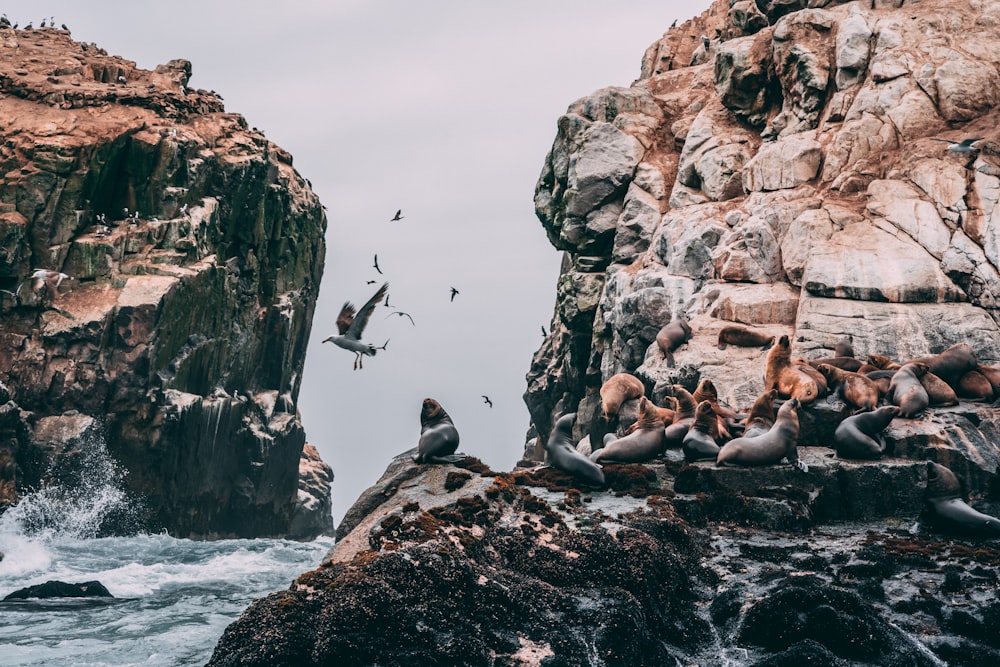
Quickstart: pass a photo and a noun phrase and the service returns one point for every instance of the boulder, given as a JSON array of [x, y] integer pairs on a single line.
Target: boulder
[[60, 589]]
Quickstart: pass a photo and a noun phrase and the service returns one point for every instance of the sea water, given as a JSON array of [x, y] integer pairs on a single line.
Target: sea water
[[173, 598]]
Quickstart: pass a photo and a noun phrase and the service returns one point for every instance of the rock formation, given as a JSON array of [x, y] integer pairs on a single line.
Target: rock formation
[[784, 173], [193, 253]]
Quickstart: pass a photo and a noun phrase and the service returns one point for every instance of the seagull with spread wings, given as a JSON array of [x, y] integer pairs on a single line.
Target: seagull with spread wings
[[398, 216], [964, 146], [351, 325]]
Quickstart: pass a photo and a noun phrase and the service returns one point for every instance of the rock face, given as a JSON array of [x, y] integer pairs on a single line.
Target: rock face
[[194, 253], [790, 179]]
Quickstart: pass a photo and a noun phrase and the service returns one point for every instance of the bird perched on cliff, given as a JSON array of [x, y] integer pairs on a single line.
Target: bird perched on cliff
[[398, 216], [352, 324], [964, 146], [438, 435]]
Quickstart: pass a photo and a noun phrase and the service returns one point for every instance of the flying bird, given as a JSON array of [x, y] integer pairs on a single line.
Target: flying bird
[[401, 314], [44, 284], [369, 282], [487, 401], [964, 146], [543, 331], [351, 325], [376, 266], [398, 216], [454, 293]]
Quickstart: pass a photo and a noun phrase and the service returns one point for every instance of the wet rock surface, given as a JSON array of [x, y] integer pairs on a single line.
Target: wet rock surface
[[528, 568], [191, 253]]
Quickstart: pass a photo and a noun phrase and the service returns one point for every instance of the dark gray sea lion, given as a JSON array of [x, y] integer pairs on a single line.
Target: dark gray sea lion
[[844, 347], [644, 444], [780, 441], [741, 336], [438, 435], [854, 437], [951, 364], [562, 455], [906, 391], [699, 443], [671, 336], [945, 509]]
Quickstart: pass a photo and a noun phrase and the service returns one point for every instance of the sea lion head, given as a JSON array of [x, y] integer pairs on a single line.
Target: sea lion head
[[827, 371], [919, 368], [707, 389], [941, 482], [431, 412], [893, 410], [784, 342]]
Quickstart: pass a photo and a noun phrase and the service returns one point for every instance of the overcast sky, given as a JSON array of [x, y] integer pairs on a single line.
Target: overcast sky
[[445, 109]]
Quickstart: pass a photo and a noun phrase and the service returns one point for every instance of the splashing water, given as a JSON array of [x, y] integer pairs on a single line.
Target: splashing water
[[173, 597]]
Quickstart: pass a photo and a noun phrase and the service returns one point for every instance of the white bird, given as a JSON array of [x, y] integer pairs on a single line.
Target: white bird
[[351, 325], [44, 283], [964, 146]]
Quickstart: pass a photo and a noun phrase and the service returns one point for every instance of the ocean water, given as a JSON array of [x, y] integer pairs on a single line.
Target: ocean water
[[173, 597]]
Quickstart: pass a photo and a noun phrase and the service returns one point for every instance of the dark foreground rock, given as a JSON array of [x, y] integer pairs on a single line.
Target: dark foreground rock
[[460, 565], [61, 589]]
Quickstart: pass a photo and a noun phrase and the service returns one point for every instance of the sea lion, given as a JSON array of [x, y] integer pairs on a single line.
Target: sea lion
[[438, 435], [951, 364], [849, 364], [856, 390], [560, 453], [975, 386], [761, 417], [939, 392], [779, 442], [683, 417], [706, 391], [883, 362], [854, 437], [946, 510], [881, 378], [993, 375], [618, 389], [667, 414], [844, 347], [671, 336], [736, 334], [698, 443], [791, 380], [906, 391], [644, 444]]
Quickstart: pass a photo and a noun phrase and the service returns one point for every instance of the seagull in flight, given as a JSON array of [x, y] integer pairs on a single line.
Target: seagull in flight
[[44, 284], [964, 146], [454, 293], [401, 314], [351, 325], [376, 265], [398, 216], [487, 401]]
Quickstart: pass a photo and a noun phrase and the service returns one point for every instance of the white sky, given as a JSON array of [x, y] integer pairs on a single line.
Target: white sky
[[444, 108]]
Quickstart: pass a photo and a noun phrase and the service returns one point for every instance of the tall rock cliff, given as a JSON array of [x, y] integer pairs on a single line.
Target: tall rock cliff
[[192, 253], [777, 165]]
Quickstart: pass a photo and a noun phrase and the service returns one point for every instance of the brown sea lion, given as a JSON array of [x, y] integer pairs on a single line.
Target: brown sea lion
[[706, 391], [618, 389], [993, 375], [737, 334], [698, 443], [817, 377], [844, 347], [906, 391], [946, 510], [643, 444], [667, 414], [779, 442], [562, 455], [951, 364], [761, 417], [975, 386], [779, 357], [883, 362], [849, 364], [683, 417], [854, 389], [438, 435], [938, 391], [671, 336], [854, 437], [881, 378]]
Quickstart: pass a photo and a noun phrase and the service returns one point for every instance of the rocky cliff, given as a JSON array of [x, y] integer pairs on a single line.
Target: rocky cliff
[[776, 165], [182, 254]]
